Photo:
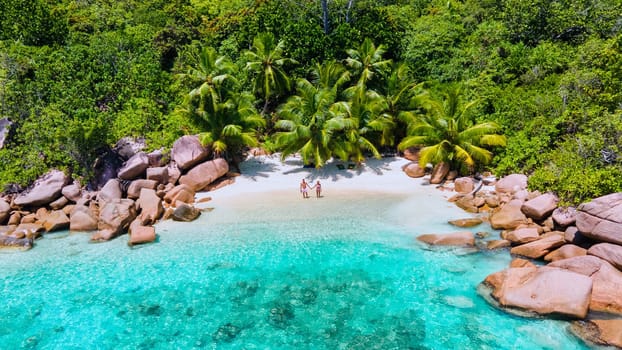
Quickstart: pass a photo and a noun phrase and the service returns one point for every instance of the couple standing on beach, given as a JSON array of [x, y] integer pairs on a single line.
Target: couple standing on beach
[[304, 189]]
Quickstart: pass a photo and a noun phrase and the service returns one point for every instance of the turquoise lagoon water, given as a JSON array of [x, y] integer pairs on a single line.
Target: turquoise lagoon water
[[271, 272]]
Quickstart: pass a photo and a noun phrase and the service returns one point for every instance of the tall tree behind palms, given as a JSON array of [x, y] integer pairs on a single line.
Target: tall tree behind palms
[[266, 60], [449, 134], [226, 116]]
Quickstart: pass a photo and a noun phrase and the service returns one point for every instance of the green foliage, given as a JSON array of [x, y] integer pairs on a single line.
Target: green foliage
[[226, 117], [75, 76], [266, 61], [449, 134], [34, 22]]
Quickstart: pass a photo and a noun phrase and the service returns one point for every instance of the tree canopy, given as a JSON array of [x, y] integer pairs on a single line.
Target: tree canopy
[[360, 76]]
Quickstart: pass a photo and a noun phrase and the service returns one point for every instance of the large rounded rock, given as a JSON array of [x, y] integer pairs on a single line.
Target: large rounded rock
[[511, 183], [498, 244], [439, 172], [539, 248], [611, 253], [159, 174], [601, 219], [114, 218], [12, 242], [5, 211], [73, 192], [180, 193], [156, 158], [572, 235], [468, 222], [414, 170], [32, 230], [467, 203], [463, 185], [522, 235], [135, 167], [110, 192], [204, 174], [150, 206], [106, 167], [133, 191], [127, 147], [60, 203], [509, 216], [607, 281], [565, 217], [412, 154], [601, 331], [540, 207], [44, 191], [185, 212], [464, 238], [565, 252], [82, 218], [544, 290], [174, 173], [55, 220], [188, 151], [140, 234]]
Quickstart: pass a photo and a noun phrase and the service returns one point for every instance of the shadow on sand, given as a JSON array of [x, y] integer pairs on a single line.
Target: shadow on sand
[[254, 168]]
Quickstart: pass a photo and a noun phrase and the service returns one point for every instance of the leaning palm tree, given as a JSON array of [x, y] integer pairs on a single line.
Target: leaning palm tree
[[449, 134], [266, 60], [310, 126]]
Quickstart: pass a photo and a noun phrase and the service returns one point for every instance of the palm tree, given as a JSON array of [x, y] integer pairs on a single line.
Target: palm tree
[[403, 101], [310, 126], [330, 75], [448, 133], [212, 73], [226, 116], [362, 118], [367, 62], [266, 61]]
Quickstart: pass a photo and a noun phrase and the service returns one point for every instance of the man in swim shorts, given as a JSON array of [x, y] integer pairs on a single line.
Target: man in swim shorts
[[304, 189]]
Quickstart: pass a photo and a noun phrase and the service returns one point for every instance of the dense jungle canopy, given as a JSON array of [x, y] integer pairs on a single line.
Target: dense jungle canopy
[[345, 78]]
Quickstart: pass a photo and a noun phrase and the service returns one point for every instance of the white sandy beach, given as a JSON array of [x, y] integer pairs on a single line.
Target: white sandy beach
[[267, 182], [262, 174]]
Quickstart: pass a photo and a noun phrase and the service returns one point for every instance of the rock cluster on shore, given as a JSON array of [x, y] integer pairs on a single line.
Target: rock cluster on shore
[[143, 190], [581, 247]]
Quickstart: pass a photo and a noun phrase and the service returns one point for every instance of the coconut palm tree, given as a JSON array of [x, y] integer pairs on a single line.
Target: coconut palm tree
[[366, 62], [227, 117], [330, 75], [310, 125], [266, 60], [212, 73], [449, 134]]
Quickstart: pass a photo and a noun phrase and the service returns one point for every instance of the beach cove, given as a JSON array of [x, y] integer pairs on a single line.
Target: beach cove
[[266, 268]]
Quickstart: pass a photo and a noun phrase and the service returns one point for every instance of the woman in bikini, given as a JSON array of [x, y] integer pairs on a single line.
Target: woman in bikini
[[318, 189]]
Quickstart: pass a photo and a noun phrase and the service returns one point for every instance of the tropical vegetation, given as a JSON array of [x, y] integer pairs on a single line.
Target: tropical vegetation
[[508, 86]]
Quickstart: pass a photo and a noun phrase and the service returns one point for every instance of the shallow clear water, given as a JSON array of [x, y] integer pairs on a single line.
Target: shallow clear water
[[341, 272]]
